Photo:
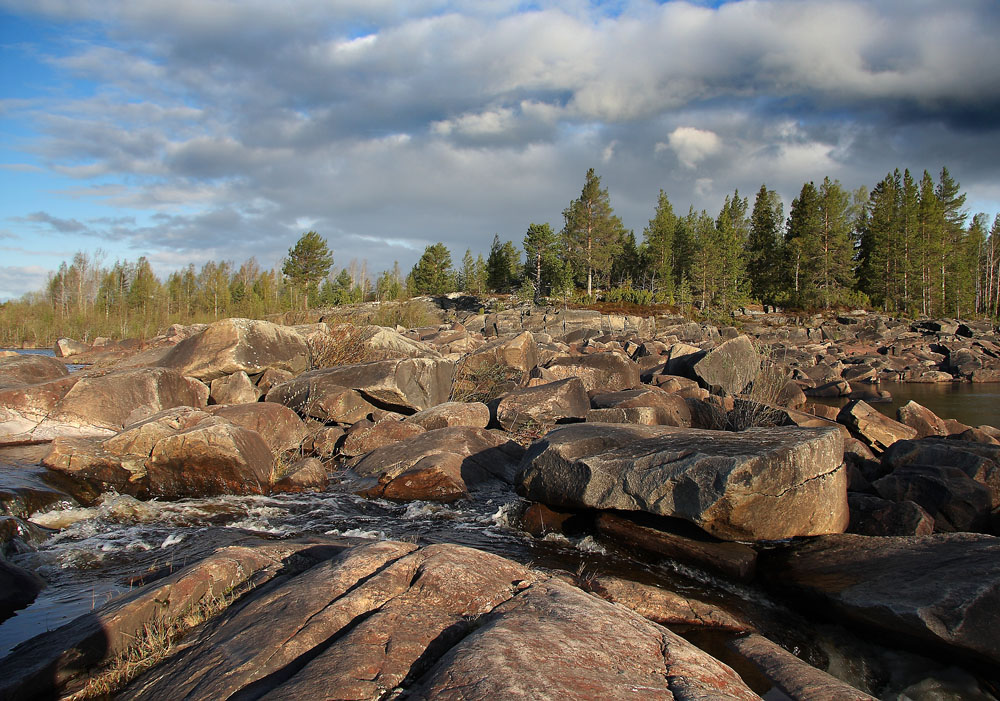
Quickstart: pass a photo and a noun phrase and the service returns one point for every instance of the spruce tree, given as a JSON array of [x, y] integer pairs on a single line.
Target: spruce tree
[[659, 248], [835, 276], [764, 246], [541, 258], [432, 274]]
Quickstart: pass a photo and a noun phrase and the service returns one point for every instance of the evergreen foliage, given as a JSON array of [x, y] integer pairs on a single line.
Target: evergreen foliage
[[308, 261], [433, 274], [592, 233]]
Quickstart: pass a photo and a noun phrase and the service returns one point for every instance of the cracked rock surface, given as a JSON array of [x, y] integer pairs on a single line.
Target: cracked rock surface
[[758, 484]]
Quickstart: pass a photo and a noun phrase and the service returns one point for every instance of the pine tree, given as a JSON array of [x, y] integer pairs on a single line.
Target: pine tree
[[592, 233], [930, 225], [308, 262], [952, 251], [503, 265], [802, 244], [432, 274], [731, 233], [764, 246], [835, 277], [877, 262]]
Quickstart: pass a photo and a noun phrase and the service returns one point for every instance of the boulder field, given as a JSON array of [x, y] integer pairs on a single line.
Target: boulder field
[[666, 439]]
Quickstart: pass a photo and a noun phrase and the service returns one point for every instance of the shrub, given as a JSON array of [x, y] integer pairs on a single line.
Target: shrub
[[341, 345]]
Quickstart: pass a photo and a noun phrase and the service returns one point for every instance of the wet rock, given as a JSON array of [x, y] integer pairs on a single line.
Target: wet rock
[[56, 662], [474, 414], [940, 589], [485, 456], [759, 484], [598, 371], [377, 435], [436, 477], [797, 679], [231, 345], [234, 389], [924, 421], [734, 560], [874, 429], [280, 427], [543, 405], [18, 588], [23, 491], [539, 520], [307, 474], [29, 369], [874, 516], [666, 607]]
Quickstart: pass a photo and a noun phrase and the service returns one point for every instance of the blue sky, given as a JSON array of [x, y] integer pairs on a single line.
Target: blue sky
[[192, 130]]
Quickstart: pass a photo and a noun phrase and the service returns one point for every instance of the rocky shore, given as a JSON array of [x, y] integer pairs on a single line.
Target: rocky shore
[[673, 440]]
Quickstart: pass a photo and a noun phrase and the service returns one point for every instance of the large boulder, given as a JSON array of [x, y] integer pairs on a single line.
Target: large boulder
[[233, 389], [98, 403], [482, 457], [731, 366], [519, 352], [231, 345], [29, 369], [920, 418], [605, 372], [954, 500], [474, 414], [543, 405], [758, 484], [670, 409], [407, 386], [182, 452], [280, 427], [941, 589]]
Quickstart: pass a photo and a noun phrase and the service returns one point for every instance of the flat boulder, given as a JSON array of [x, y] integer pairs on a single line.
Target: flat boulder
[[935, 590], [29, 369], [484, 457], [758, 484], [670, 409], [230, 345], [474, 414], [404, 385], [543, 405]]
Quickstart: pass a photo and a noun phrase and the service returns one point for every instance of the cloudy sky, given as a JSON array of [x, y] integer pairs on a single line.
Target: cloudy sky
[[189, 130]]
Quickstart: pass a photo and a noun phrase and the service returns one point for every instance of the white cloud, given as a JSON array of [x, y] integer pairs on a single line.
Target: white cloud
[[693, 145]]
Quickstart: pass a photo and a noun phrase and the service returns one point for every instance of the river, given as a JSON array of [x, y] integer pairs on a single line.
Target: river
[[973, 404]]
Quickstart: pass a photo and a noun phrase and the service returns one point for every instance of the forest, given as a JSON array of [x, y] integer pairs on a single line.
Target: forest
[[907, 247]]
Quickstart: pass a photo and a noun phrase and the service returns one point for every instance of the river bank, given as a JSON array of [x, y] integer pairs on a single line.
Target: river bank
[[221, 439]]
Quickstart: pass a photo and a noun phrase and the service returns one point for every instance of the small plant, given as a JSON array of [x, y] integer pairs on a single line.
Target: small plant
[[410, 315], [757, 405], [341, 345]]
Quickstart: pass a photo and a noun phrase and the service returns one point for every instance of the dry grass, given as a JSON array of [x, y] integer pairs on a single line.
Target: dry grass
[[150, 646], [341, 345], [484, 382], [756, 407]]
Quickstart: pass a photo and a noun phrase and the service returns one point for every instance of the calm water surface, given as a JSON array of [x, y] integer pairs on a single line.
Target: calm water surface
[[973, 404]]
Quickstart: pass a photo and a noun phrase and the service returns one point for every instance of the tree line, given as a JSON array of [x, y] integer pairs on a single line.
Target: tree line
[[908, 246]]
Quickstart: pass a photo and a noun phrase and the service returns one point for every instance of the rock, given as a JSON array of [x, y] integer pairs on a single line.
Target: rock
[[554, 641], [872, 428], [668, 608], [598, 371], [672, 409], [734, 560], [474, 414], [24, 491], [834, 388], [954, 500], [518, 353], [797, 679], [383, 343], [543, 405], [924, 421], [729, 367], [940, 589], [790, 395], [18, 588], [53, 663], [307, 474], [874, 516], [539, 520], [407, 386], [272, 377], [377, 435], [280, 427], [979, 462], [485, 456], [66, 347], [234, 389], [231, 345], [100, 403], [29, 369], [436, 477], [759, 484], [178, 453], [317, 395]]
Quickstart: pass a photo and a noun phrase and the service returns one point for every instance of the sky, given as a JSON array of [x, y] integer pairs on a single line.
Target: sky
[[195, 130]]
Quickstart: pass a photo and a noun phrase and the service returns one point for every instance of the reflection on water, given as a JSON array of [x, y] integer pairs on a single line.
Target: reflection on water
[[973, 404]]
